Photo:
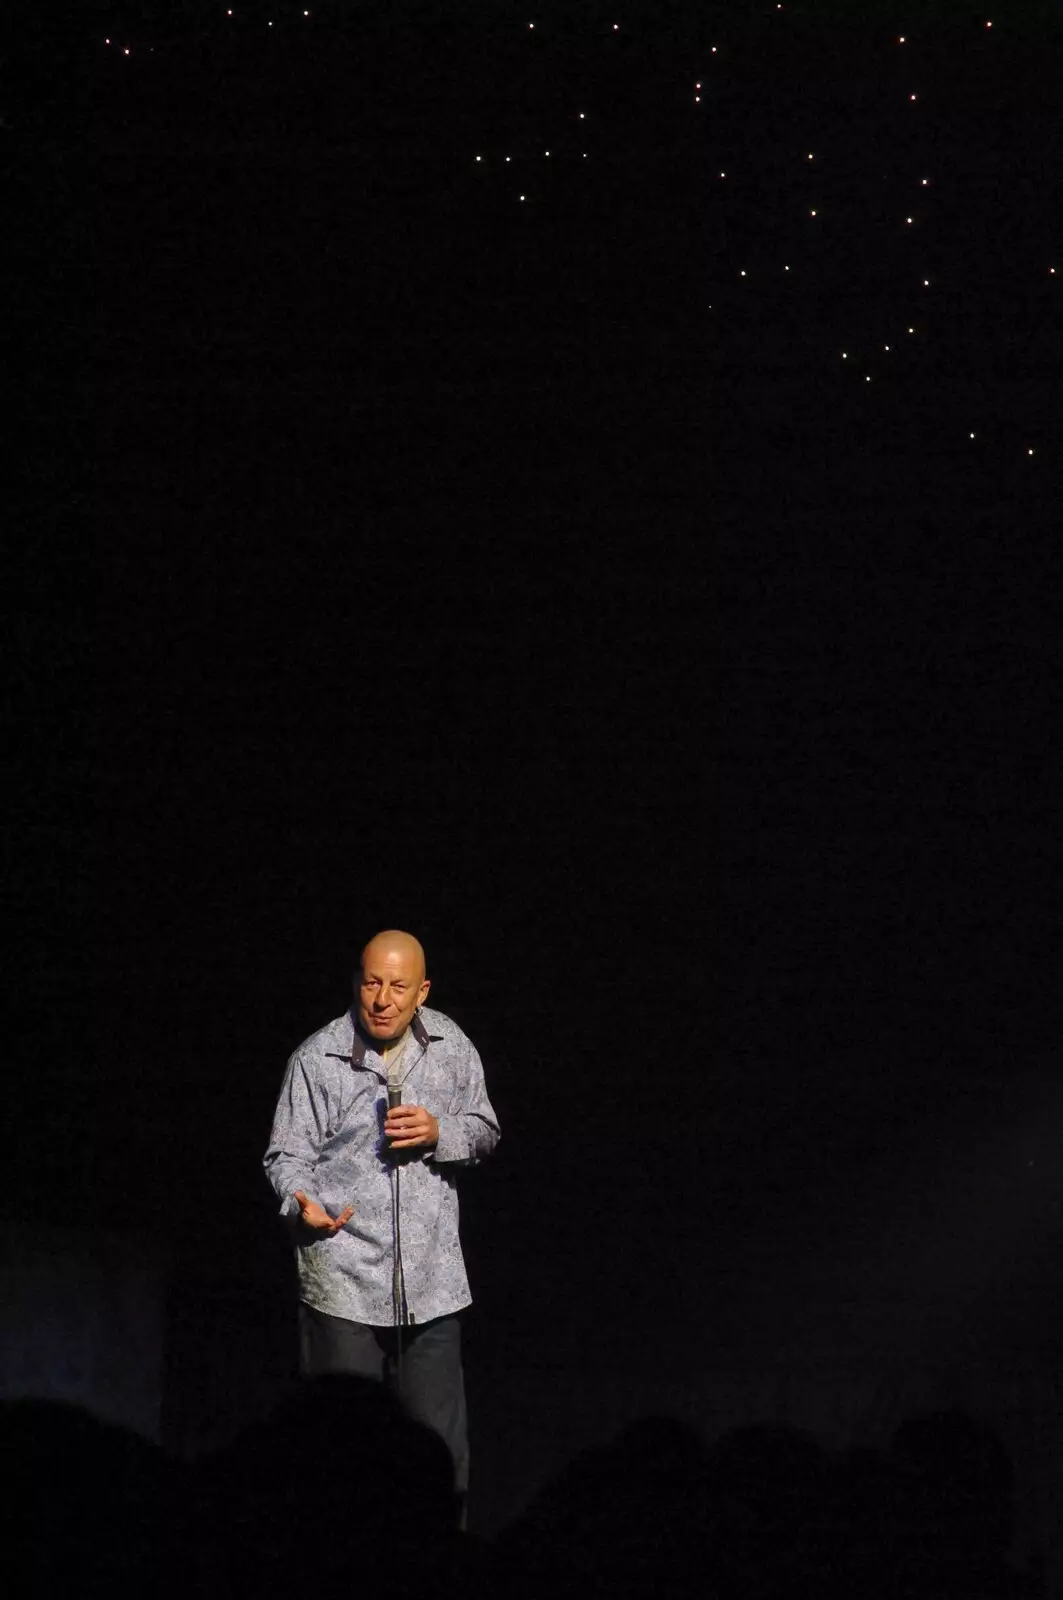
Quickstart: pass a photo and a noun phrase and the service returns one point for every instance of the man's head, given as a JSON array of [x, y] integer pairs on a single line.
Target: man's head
[[390, 985]]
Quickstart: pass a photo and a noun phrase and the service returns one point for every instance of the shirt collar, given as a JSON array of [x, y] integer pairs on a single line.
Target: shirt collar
[[358, 1045]]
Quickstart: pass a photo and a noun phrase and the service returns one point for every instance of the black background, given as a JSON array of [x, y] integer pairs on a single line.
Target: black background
[[400, 556]]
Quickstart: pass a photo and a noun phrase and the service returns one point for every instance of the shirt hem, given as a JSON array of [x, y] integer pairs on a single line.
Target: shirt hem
[[388, 1322]]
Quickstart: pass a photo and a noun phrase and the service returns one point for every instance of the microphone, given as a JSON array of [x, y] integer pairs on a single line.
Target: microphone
[[395, 1080], [394, 1084], [394, 1088]]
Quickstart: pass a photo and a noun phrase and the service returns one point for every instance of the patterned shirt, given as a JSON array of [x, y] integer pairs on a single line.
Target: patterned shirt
[[328, 1141]]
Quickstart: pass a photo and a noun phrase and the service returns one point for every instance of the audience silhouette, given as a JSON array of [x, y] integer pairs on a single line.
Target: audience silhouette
[[338, 1487], [90, 1505], [339, 1491], [957, 1491]]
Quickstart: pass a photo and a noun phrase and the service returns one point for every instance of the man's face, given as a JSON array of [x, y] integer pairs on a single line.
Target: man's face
[[391, 986]]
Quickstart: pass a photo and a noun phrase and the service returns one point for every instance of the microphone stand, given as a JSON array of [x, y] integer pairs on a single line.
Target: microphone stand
[[398, 1282]]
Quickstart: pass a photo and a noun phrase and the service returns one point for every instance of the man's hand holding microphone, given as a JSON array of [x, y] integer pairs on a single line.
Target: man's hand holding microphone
[[410, 1127]]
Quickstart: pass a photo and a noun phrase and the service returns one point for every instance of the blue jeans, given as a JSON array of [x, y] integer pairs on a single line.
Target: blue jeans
[[433, 1384]]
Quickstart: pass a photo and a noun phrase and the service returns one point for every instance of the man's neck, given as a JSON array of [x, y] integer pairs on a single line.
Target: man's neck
[[380, 1045]]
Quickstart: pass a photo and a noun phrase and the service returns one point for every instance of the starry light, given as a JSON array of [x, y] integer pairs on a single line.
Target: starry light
[[805, 273]]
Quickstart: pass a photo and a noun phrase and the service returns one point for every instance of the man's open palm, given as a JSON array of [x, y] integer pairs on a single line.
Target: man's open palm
[[315, 1217]]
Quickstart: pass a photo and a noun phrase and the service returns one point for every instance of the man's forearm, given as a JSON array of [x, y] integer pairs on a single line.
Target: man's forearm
[[467, 1137], [287, 1173]]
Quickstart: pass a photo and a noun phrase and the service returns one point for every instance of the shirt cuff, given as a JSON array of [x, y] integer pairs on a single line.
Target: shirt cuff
[[451, 1144]]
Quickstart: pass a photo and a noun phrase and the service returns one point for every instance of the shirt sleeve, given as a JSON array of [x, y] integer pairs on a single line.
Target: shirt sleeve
[[299, 1125], [469, 1130]]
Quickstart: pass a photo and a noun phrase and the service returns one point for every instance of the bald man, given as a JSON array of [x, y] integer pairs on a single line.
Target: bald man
[[367, 1189]]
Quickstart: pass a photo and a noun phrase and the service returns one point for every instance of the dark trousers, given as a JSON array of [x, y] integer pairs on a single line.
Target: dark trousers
[[433, 1384]]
